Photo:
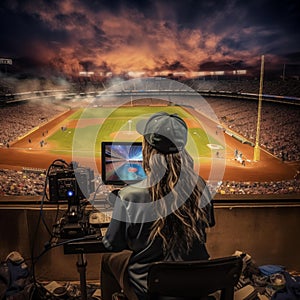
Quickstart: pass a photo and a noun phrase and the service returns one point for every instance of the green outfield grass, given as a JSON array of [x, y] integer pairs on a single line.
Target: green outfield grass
[[107, 124]]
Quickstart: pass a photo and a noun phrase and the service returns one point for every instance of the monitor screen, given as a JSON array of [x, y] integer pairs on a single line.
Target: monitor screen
[[121, 163]]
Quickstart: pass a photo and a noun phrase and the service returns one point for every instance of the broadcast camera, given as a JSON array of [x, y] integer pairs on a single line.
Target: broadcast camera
[[71, 183]]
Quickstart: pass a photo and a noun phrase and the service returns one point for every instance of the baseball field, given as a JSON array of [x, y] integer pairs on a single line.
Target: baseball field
[[77, 135]]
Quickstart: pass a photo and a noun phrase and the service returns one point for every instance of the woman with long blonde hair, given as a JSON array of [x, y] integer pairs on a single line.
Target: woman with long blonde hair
[[163, 217]]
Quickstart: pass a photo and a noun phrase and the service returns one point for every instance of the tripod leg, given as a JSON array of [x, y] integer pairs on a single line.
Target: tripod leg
[[81, 268]]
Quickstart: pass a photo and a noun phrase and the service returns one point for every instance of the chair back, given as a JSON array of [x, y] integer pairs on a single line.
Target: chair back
[[194, 279]]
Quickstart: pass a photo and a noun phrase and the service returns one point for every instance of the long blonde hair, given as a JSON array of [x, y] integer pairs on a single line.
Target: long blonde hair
[[181, 215]]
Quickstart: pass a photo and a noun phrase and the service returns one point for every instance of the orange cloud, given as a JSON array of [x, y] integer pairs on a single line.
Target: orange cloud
[[128, 40]]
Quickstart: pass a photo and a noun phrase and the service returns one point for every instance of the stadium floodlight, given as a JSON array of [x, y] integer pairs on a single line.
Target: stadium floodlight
[[5, 61]]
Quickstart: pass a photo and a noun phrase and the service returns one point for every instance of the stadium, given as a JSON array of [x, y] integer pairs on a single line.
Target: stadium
[[256, 197], [78, 80], [219, 125]]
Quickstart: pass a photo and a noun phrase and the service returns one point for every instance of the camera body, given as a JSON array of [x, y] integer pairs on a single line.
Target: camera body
[[70, 183]]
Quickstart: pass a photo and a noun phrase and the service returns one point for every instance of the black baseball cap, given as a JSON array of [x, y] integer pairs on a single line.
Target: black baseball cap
[[165, 132]]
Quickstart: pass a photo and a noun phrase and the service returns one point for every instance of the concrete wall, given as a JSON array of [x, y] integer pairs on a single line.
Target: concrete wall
[[268, 232]]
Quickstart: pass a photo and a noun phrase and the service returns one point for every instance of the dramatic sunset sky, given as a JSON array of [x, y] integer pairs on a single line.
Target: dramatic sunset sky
[[122, 35]]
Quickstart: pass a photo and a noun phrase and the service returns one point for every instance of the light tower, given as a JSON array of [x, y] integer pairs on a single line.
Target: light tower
[[256, 156]]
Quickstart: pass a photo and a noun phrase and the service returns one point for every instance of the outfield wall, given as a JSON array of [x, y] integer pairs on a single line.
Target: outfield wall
[[267, 231]]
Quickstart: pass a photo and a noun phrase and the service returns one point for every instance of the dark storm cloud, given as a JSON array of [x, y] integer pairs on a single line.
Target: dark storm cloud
[[143, 35], [24, 34]]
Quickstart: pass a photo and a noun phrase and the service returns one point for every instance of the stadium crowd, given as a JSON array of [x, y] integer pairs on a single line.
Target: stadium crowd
[[289, 87], [32, 182], [279, 130], [257, 188], [279, 135], [17, 120], [21, 183]]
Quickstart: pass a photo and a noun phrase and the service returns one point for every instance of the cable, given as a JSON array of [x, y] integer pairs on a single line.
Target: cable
[[60, 165], [35, 260], [41, 217], [55, 245]]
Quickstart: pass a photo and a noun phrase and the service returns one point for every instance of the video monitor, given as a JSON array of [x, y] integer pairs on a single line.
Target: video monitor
[[121, 163]]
